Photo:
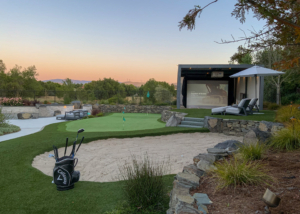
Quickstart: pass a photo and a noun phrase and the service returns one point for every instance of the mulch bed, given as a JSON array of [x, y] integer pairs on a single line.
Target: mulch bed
[[283, 166]]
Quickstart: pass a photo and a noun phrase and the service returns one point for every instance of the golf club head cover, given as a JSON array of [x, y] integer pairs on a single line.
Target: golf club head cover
[[64, 175]]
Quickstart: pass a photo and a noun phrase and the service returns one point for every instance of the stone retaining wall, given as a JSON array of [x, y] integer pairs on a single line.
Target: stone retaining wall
[[166, 115], [40, 110], [239, 127], [133, 108]]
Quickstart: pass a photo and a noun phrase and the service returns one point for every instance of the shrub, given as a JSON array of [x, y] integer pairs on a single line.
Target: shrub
[[8, 128], [240, 173], [95, 112], [99, 114], [162, 95], [5, 101], [287, 139], [30, 102], [161, 104], [91, 116], [174, 102], [286, 112], [273, 106], [144, 187], [251, 152], [116, 99], [266, 104], [67, 99], [287, 99]]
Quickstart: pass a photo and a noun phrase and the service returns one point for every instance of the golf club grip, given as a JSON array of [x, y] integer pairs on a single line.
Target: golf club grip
[[73, 148], [80, 144], [56, 152], [66, 146]]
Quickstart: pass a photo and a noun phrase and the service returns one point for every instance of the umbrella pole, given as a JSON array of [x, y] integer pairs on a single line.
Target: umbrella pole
[[255, 76]]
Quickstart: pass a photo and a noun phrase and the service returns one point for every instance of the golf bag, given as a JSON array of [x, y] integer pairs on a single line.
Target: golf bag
[[64, 175]]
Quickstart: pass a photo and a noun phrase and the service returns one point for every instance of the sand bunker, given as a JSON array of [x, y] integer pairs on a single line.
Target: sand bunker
[[99, 160]]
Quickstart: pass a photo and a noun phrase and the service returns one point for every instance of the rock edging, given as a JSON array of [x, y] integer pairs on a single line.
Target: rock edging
[[181, 201]]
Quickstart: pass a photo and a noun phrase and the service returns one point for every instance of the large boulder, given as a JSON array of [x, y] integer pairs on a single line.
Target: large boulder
[[205, 166], [95, 106], [173, 121], [192, 169], [207, 157], [229, 145], [256, 135], [24, 115], [57, 112], [185, 208], [188, 179], [77, 104]]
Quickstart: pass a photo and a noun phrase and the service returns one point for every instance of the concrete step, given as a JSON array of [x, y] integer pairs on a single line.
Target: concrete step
[[192, 123], [193, 119], [189, 126]]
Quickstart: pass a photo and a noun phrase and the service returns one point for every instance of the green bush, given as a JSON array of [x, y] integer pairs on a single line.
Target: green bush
[[273, 106], [85, 117], [104, 102], [99, 114], [161, 104], [287, 99], [8, 128], [91, 116], [251, 152], [174, 102], [116, 99], [286, 112], [67, 99], [144, 187], [266, 104], [232, 173], [287, 139]]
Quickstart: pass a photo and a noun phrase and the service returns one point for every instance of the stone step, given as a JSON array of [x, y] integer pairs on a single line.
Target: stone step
[[189, 126], [192, 123], [193, 119]]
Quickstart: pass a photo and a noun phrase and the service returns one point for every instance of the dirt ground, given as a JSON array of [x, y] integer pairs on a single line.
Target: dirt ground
[[283, 166]]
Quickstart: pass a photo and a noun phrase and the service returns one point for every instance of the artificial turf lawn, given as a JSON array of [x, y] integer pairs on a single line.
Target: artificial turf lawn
[[201, 113], [114, 122], [24, 189]]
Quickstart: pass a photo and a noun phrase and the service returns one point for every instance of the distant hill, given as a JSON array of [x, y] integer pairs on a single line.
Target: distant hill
[[60, 81]]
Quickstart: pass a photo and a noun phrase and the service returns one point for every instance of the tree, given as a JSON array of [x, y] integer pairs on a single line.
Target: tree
[[243, 56], [162, 94], [282, 29]]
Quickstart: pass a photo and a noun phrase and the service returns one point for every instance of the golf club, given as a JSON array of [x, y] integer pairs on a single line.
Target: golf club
[[55, 153], [66, 146], [73, 149], [79, 131], [79, 144]]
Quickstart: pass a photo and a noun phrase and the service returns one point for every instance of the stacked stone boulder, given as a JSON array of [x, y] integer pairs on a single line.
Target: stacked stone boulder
[[181, 201]]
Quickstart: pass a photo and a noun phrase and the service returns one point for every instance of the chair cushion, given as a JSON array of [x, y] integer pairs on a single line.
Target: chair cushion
[[219, 109], [253, 101], [233, 110]]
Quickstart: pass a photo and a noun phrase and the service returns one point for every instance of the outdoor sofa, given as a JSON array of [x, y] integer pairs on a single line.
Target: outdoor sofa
[[73, 115]]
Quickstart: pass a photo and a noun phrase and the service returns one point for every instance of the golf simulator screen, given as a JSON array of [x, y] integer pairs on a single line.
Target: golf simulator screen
[[206, 93]]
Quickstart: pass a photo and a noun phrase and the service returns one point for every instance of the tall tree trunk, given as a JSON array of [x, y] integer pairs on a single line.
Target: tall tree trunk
[[278, 101]]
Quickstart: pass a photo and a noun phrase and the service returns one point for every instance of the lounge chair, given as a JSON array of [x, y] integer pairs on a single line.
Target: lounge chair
[[252, 105], [221, 110], [240, 109]]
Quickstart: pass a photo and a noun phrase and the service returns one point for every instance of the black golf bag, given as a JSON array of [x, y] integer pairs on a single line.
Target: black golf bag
[[64, 175]]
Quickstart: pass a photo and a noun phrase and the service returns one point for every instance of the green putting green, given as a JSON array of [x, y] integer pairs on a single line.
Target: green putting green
[[114, 122]]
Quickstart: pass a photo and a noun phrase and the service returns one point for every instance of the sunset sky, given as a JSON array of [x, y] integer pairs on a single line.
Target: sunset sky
[[123, 39]]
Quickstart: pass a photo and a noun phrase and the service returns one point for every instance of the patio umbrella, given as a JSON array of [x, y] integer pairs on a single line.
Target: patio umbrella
[[255, 72]]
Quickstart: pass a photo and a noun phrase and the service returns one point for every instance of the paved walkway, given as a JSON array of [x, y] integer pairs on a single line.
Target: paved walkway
[[29, 126]]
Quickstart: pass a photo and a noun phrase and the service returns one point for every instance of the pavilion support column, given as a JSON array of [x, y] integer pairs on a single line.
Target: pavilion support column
[[179, 89], [246, 87], [261, 93]]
